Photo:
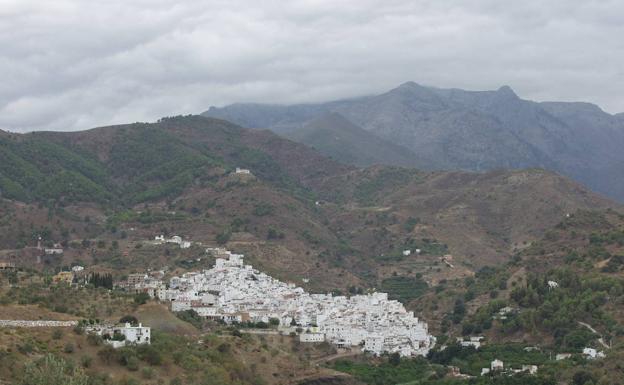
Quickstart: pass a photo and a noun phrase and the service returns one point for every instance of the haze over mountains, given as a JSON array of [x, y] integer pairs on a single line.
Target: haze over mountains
[[454, 129]]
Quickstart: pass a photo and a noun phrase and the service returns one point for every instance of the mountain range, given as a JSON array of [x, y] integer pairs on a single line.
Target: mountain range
[[454, 129], [298, 214]]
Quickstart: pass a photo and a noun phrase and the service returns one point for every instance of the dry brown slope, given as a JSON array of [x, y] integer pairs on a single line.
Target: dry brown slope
[[482, 217]]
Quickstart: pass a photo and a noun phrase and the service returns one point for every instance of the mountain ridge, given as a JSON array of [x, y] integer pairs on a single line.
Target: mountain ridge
[[471, 130], [335, 136], [177, 176]]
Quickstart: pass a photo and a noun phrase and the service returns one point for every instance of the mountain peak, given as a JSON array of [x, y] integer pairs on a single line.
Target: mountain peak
[[507, 91], [412, 85]]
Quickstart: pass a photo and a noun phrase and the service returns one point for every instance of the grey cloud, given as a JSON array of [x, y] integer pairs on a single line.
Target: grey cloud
[[70, 64]]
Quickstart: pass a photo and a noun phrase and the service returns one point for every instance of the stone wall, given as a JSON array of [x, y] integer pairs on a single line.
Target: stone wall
[[36, 324]]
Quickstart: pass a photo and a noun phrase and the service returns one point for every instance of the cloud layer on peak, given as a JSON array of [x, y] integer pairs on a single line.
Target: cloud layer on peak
[[70, 64]]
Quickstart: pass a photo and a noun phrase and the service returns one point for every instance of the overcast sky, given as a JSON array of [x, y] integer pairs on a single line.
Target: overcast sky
[[75, 64]]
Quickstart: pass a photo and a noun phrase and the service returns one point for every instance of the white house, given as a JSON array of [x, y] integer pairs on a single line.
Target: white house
[[175, 239], [592, 354], [475, 342], [122, 335], [135, 334], [242, 171], [531, 369], [76, 269], [496, 365], [407, 252]]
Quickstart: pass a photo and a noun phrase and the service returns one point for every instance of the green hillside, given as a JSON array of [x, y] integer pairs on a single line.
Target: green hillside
[[132, 164]]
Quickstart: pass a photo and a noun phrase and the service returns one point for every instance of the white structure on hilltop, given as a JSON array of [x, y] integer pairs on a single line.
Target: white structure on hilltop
[[122, 335], [234, 292], [242, 171], [552, 285]]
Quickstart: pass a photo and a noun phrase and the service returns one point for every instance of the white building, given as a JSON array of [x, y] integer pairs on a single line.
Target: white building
[[563, 356], [496, 365], [176, 239], [475, 342], [531, 369], [76, 269], [242, 171], [592, 354], [122, 335]]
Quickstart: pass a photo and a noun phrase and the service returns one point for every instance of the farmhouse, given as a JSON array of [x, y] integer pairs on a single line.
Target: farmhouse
[[64, 277], [122, 335], [7, 266]]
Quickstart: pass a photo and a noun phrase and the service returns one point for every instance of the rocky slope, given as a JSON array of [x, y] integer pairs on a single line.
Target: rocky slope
[[336, 137]]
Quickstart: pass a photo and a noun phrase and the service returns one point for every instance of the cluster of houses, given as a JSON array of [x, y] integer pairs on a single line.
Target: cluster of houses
[[121, 335], [75, 274], [236, 293], [150, 283], [499, 366]]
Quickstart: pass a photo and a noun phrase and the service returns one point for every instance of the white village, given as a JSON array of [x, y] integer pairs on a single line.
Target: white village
[[235, 293]]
